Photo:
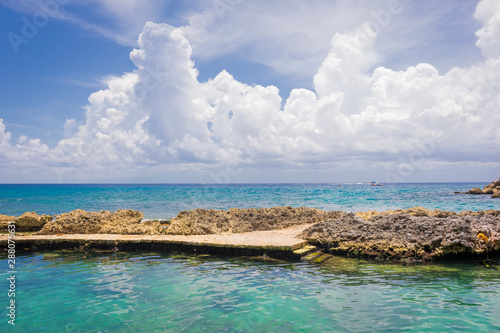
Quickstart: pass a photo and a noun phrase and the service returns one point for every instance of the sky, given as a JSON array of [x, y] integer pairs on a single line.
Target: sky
[[239, 91]]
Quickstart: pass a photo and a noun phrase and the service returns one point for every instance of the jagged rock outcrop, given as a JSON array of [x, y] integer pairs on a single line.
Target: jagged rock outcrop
[[414, 211], [29, 221], [204, 222], [405, 236], [421, 211], [124, 221], [493, 188], [4, 221]]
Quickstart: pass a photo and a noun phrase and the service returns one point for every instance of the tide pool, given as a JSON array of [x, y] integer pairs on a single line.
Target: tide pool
[[152, 292]]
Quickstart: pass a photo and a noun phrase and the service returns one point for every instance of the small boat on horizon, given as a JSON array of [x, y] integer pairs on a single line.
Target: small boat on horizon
[[376, 184]]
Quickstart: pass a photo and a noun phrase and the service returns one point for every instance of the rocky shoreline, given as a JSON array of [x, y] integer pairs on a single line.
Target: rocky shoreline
[[407, 237], [415, 234], [492, 189]]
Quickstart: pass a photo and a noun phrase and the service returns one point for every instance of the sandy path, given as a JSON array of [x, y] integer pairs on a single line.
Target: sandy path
[[268, 238]]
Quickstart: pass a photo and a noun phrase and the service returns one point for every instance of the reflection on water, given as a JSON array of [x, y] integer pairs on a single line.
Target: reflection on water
[[129, 292]]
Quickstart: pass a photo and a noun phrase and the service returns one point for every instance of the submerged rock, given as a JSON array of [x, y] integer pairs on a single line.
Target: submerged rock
[[401, 236], [213, 221], [125, 221]]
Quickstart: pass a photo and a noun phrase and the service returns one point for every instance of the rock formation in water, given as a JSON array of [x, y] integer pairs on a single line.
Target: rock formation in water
[[126, 221], [493, 188], [405, 236], [411, 234]]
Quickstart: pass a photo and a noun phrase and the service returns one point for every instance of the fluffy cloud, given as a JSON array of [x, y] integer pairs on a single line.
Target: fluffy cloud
[[25, 156], [488, 13], [161, 115]]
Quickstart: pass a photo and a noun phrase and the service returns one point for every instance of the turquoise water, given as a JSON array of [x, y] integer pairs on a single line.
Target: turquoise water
[[167, 200], [151, 292]]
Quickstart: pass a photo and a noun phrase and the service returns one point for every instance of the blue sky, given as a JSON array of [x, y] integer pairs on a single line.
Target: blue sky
[[285, 56]]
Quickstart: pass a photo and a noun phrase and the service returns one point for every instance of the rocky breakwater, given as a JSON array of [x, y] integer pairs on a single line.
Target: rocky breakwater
[[29, 221], [493, 189], [404, 236], [235, 220], [192, 222], [123, 221]]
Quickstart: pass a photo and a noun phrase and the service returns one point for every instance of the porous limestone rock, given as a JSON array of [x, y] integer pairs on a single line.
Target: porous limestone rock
[[124, 221], [234, 220], [29, 221], [400, 236]]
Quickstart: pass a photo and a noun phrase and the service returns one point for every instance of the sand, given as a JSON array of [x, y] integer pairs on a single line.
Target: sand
[[268, 238]]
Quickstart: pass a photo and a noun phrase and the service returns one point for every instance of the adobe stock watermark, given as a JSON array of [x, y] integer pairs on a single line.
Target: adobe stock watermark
[[231, 169], [483, 89], [415, 159], [222, 7], [151, 79], [299, 46], [31, 25], [228, 170], [381, 19], [11, 272]]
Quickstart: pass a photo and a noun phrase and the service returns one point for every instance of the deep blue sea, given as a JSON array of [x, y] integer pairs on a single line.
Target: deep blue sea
[[167, 200], [179, 292]]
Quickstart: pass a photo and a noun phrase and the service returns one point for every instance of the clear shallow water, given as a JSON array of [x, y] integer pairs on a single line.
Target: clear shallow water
[[133, 292], [167, 200], [149, 292]]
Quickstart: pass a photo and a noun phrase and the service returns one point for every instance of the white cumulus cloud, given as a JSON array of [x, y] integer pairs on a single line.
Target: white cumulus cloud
[[488, 13], [357, 116]]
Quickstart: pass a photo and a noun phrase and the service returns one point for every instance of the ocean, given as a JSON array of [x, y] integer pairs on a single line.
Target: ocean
[[178, 292], [162, 201]]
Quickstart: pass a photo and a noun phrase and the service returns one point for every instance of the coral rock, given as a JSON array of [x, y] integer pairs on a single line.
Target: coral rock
[[121, 222], [29, 221], [203, 221], [400, 236]]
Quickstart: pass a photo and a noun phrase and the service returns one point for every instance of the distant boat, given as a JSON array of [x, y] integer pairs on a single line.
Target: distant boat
[[376, 184]]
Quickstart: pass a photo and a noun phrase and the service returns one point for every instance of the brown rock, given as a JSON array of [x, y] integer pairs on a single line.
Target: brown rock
[[29, 221], [413, 211], [493, 188], [121, 222], [204, 222], [4, 221], [399, 236], [493, 185], [476, 190]]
